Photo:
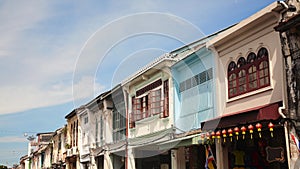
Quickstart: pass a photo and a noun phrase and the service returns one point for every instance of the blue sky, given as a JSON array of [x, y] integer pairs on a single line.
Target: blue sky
[[56, 55]]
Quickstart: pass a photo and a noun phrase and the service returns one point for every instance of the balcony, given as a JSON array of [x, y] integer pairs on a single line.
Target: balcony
[[73, 151], [69, 154]]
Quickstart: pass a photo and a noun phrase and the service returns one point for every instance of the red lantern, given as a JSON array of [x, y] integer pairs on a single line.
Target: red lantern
[[224, 132], [207, 136], [243, 128], [236, 131], [250, 128], [271, 127], [213, 135], [218, 134], [258, 126], [230, 133]]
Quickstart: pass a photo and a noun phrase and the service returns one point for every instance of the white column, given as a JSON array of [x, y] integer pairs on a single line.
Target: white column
[[28, 154], [130, 159], [29, 148], [222, 156], [93, 162], [174, 159], [78, 164], [27, 164], [178, 158], [107, 161]]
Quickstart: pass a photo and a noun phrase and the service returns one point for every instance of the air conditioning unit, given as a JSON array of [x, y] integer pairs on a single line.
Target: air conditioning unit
[[69, 152], [74, 151]]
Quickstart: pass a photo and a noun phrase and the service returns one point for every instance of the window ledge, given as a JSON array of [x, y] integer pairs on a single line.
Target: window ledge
[[132, 129], [148, 119], [166, 119], [261, 90]]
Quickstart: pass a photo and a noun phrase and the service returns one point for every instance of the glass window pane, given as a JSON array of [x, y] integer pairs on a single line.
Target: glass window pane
[[182, 86], [234, 84], [188, 83], [209, 74], [262, 82], [202, 77]]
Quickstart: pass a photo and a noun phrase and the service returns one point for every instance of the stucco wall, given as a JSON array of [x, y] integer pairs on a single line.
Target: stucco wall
[[196, 104], [155, 123], [260, 34]]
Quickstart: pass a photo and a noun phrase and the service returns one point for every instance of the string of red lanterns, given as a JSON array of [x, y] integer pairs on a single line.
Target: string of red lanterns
[[211, 136], [259, 126], [244, 129], [230, 131], [271, 126], [236, 131], [250, 128], [218, 134]]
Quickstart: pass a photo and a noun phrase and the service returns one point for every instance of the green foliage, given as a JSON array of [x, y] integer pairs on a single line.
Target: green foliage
[[67, 146]]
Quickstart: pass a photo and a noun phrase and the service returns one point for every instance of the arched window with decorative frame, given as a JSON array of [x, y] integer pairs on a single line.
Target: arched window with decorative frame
[[232, 79], [248, 75], [242, 80], [263, 67], [252, 71]]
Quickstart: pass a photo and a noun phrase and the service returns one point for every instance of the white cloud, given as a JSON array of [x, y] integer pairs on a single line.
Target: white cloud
[[36, 63], [17, 17], [86, 88], [21, 97], [38, 71], [40, 41], [12, 139]]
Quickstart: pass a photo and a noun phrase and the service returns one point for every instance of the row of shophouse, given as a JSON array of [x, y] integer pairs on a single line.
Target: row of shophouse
[[229, 100]]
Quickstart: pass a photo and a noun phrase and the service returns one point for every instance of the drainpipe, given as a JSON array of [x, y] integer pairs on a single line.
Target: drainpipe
[[286, 134], [125, 95], [283, 4], [284, 89], [284, 116], [281, 113]]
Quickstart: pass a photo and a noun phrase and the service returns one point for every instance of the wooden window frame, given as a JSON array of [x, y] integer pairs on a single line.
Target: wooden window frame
[[146, 105], [119, 126], [156, 102], [166, 99], [253, 61]]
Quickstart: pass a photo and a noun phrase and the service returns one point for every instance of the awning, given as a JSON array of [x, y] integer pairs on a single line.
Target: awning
[[117, 147], [42, 149], [85, 158], [97, 151], [267, 112], [180, 142], [151, 139]]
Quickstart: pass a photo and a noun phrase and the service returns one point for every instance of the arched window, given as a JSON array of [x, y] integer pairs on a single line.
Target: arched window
[[242, 81], [231, 66], [248, 75], [232, 84], [263, 67], [262, 53], [252, 77], [264, 73], [251, 57], [241, 62], [232, 79]]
